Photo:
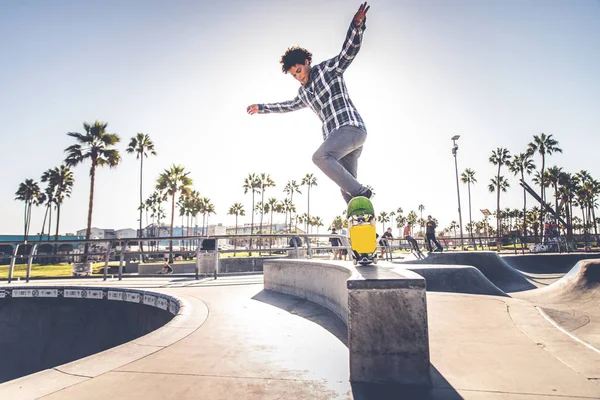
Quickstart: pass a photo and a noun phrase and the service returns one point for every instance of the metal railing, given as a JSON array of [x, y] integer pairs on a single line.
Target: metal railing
[[267, 244]]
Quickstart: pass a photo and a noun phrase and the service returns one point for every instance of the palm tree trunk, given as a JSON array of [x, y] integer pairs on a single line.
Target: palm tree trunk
[[542, 204], [44, 223], [470, 218], [171, 231], [25, 220], [57, 222], [88, 231], [49, 222], [308, 210], [141, 235], [29, 217]]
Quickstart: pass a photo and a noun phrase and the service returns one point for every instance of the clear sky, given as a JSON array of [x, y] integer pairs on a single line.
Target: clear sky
[[495, 72]]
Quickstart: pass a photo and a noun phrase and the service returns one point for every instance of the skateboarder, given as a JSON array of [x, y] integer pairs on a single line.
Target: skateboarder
[[430, 235], [323, 89], [410, 239]]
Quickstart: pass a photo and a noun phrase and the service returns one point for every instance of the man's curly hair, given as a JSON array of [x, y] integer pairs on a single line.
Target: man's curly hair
[[294, 55]]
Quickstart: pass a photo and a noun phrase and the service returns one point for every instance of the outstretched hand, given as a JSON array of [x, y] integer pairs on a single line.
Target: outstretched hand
[[252, 109], [361, 14]]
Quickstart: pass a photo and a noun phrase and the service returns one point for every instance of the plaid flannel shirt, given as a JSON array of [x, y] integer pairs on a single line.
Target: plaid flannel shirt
[[326, 93]]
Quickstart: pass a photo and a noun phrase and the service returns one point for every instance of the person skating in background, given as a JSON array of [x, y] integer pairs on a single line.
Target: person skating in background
[[430, 235], [408, 236]]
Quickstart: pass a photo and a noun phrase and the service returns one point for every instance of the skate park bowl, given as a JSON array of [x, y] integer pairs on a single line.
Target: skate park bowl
[[385, 313], [46, 327]]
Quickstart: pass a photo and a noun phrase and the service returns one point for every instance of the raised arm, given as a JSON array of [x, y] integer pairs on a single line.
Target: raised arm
[[352, 43], [283, 107]]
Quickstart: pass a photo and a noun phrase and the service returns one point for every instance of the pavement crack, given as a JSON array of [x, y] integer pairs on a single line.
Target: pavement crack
[[71, 374], [214, 376]]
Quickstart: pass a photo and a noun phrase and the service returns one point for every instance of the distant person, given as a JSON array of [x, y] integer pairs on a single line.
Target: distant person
[[335, 242], [430, 235], [345, 243], [408, 237], [385, 241], [295, 241], [166, 269]]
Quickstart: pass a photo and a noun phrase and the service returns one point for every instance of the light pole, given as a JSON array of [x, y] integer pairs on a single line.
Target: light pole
[[454, 151]]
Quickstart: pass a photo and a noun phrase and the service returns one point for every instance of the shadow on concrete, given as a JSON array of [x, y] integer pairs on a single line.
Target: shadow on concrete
[[440, 390], [307, 310]]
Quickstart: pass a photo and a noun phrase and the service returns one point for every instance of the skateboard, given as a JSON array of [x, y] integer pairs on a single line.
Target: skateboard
[[361, 225]]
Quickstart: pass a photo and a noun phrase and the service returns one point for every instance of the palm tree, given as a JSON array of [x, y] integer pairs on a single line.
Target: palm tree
[[383, 218], [28, 192], [554, 176], [421, 208], [499, 157], [522, 164], [309, 180], [498, 184], [453, 226], [141, 145], [236, 209], [290, 188], [287, 208], [251, 183], [271, 206], [265, 182], [316, 221], [49, 200], [174, 181], [544, 145], [468, 177], [63, 181], [94, 145]]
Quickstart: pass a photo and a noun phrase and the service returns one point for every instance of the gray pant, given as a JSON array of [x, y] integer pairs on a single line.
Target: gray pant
[[338, 157]]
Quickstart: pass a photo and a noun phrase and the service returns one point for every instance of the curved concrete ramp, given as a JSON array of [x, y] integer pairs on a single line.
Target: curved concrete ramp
[[581, 282], [573, 302], [489, 263], [456, 279]]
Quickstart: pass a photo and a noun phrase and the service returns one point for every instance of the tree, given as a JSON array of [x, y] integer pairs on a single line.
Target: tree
[[383, 218], [544, 145], [468, 177], [94, 145], [63, 182], [251, 183], [498, 184], [28, 192], [49, 201], [236, 209], [290, 188], [554, 178], [271, 205], [316, 221], [522, 164], [174, 181], [499, 157], [265, 182], [453, 226], [309, 180], [141, 145], [421, 208]]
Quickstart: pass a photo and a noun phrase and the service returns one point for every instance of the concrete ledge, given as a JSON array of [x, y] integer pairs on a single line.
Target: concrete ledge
[[385, 311]]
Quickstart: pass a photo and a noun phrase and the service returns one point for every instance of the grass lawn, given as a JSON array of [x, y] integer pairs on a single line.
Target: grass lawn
[[38, 270]]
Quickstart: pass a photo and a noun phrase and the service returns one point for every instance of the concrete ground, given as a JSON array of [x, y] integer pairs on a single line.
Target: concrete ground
[[253, 344]]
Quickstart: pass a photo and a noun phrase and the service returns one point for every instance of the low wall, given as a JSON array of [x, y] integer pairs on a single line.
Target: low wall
[[206, 265], [385, 312]]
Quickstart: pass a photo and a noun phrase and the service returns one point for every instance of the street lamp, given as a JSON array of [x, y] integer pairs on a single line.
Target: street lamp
[[454, 151]]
